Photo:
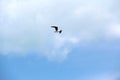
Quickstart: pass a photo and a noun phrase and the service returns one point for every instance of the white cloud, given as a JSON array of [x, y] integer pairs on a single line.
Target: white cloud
[[26, 25]]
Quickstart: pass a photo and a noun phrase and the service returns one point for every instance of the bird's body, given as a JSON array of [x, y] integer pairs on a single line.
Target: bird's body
[[56, 29]]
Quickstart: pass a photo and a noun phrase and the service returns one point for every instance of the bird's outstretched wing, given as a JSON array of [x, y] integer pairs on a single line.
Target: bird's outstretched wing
[[56, 28]]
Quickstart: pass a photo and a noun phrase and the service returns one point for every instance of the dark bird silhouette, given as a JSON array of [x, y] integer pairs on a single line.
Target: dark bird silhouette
[[56, 29]]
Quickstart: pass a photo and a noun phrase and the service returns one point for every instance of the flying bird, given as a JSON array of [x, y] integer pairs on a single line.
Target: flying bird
[[56, 29]]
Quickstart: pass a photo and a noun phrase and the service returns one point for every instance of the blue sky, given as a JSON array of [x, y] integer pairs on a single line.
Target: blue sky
[[87, 49]]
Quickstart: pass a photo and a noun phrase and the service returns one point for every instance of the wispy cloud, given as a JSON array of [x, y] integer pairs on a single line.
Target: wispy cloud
[[103, 76], [107, 77]]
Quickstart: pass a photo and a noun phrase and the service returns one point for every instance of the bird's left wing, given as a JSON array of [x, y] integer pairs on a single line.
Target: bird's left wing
[[56, 28]]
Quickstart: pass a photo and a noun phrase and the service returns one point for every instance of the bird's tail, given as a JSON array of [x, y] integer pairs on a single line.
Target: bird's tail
[[60, 31]]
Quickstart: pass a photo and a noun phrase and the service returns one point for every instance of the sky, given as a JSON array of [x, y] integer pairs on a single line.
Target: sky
[[87, 49]]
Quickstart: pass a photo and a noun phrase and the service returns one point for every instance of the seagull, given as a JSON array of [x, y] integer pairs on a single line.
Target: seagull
[[56, 29]]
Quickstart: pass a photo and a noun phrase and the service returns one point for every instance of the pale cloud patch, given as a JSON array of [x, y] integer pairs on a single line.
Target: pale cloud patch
[[74, 40], [22, 36], [113, 31]]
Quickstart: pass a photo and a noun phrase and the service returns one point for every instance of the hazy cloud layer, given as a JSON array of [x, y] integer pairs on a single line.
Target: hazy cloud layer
[[25, 25]]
